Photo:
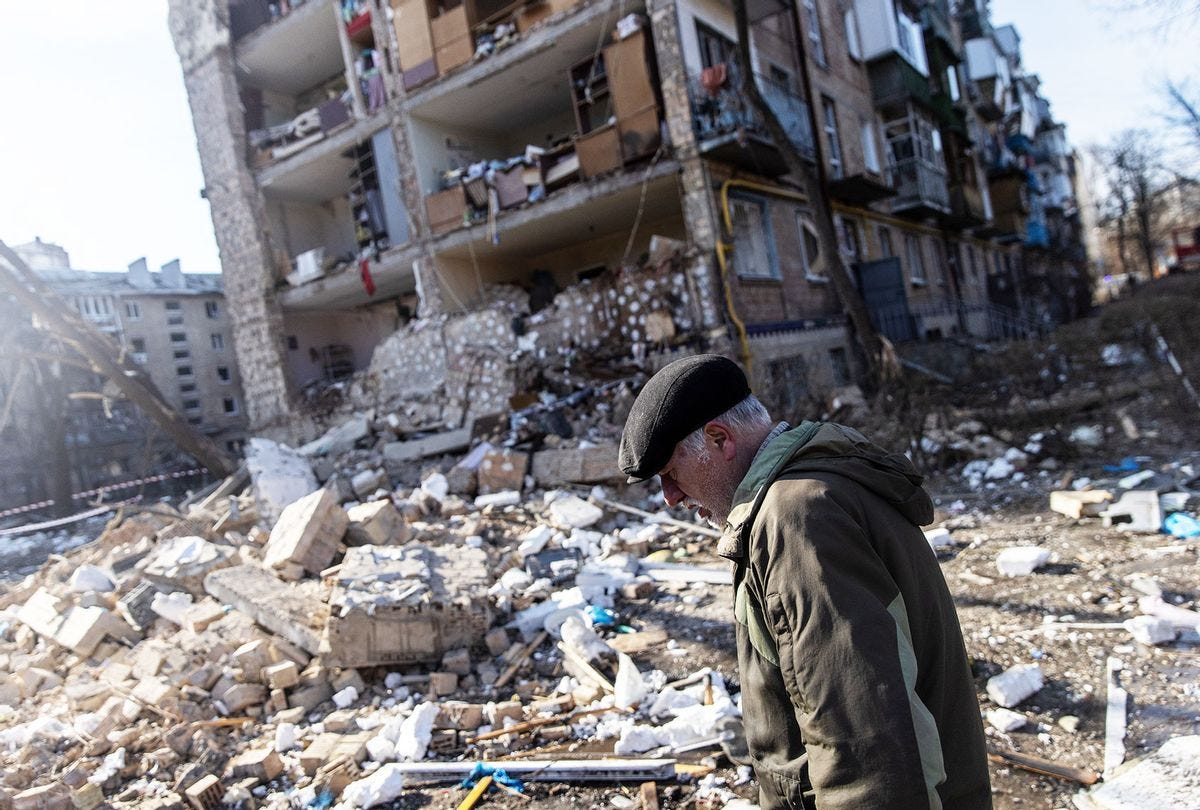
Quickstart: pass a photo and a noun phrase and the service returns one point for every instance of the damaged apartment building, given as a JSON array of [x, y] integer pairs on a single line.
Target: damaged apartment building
[[458, 196]]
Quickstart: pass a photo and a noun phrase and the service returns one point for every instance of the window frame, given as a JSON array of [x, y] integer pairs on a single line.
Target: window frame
[[816, 38], [872, 160], [768, 235], [915, 259], [212, 310], [133, 311], [805, 223], [829, 124], [217, 340], [230, 406], [853, 36]]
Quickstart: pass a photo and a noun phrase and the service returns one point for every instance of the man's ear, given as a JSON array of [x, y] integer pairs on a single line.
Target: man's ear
[[722, 438]]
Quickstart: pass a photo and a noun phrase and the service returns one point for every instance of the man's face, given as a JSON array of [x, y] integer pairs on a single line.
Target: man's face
[[705, 483]]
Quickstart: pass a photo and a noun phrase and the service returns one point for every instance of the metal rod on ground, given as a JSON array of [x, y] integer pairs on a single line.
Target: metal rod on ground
[[659, 518]]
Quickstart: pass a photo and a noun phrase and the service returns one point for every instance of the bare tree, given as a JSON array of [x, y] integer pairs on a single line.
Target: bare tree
[[810, 183], [1135, 180], [1184, 112]]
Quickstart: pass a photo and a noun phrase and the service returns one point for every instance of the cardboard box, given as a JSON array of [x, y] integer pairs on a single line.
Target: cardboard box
[[599, 151], [450, 26], [445, 209], [454, 54]]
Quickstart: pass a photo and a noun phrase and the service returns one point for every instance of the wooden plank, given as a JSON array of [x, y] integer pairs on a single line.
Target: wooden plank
[[649, 794], [1045, 767]]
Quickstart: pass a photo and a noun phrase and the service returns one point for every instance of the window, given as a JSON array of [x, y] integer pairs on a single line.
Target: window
[[916, 261], [848, 242], [187, 388], [839, 365], [195, 420], [810, 250], [218, 340], [179, 337], [231, 406], [172, 306], [870, 146], [939, 258], [211, 309], [812, 21], [174, 319], [191, 404], [952, 84], [292, 343], [183, 371], [753, 245], [715, 49], [182, 354], [853, 45], [133, 311], [836, 167], [223, 374], [137, 344], [886, 250]]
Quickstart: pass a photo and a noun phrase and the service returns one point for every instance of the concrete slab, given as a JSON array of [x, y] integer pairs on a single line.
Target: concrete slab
[[308, 533], [295, 612]]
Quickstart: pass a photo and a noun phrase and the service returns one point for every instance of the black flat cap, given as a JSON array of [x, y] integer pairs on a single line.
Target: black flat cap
[[681, 398]]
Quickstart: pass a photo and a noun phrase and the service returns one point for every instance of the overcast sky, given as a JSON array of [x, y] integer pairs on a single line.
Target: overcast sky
[[97, 151]]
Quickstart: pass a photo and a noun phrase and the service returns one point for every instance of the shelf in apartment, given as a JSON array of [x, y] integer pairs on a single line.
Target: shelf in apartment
[[582, 211], [320, 172], [523, 83], [294, 53]]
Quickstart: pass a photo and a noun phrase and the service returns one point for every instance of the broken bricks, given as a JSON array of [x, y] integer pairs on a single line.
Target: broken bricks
[[307, 533]]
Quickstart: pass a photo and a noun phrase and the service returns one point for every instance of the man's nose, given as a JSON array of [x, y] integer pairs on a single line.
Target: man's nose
[[671, 491]]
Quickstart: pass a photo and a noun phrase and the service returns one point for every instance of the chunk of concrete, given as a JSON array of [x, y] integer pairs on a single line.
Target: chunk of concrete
[[280, 476], [406, 604], [378, 523], [400, 453], [1005, 719], [340, 439], [573, 512], [1020, 561], [283, 675], [181, 563], [87, 578], [501, 470], [1085, 503], [368, 482], [1014, 684], [1151, 629], [577, 465], [79, 629], [1164, 779], [307, 533], [295, 612], [264, 764]]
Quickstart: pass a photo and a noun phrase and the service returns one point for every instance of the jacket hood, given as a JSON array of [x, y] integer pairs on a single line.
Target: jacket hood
[[825, 447]]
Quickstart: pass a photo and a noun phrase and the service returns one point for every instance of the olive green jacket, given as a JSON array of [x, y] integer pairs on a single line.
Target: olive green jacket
[[856, 692]]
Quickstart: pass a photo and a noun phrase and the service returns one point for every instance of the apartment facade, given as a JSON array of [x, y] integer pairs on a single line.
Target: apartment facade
[[177, 326], [373, 164]]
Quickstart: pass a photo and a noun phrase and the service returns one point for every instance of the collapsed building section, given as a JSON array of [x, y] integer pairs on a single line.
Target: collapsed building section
[[492, 183]]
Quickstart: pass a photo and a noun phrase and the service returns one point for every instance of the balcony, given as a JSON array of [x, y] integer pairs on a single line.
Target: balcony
[[920, 189], [895, 83], [289, 54], [966, 207], [729, 129], [935, 19]]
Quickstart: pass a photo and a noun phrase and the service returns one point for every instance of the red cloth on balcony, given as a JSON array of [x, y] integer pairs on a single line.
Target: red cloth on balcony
[[364, 269], [713, 78]]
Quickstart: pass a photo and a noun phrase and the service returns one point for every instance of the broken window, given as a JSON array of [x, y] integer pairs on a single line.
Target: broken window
[[886, 250], [829, 112], [223, 374], [231, 406], [138, 344], [810, 249], [715, 49], [916, 261], [753, 244], [211, 309], [218, 341]]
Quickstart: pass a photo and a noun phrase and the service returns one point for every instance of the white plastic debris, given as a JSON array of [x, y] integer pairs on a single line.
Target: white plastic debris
[[381, 749], [1087, 435], [345, 698], [285, 737], [1133, 479], [437, 486], [415, 732], [382, 786], [576, 634], [1014, 684], [1005, 719], [573, 512], [1020, 561], [1151, 629], [939, 537], [628, 690], [534, 540], [90, 578]]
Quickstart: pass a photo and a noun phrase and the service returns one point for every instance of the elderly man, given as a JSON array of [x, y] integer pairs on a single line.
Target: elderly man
[[856, 691]]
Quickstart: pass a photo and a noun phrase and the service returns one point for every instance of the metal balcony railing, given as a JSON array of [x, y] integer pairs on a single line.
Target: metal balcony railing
[[725, 110], [919, 183], [901, 323]]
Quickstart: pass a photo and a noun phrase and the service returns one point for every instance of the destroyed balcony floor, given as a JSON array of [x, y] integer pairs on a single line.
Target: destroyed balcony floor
[[319, 172], [293, 53], [392, 275], [577, 213]]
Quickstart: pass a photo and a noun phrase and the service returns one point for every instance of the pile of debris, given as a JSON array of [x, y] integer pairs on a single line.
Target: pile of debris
[[282, 643]]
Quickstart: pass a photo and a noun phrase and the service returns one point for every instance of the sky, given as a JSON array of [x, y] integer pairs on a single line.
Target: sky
[[97, 151]]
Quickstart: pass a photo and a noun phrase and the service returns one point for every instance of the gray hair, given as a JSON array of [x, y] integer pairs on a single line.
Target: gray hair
[[747, 415]]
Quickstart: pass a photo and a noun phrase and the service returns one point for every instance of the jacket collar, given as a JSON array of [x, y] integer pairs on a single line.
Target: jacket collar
[[766, 467]]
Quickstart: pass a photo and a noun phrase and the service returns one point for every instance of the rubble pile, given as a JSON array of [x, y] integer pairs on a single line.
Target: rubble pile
[[270, 646]]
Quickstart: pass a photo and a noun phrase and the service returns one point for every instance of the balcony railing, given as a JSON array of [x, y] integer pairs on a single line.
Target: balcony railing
[[919, 185], [725, 110]]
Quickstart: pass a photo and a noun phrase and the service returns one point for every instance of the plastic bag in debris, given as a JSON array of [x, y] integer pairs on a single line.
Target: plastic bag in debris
[[1181, 525], [499, 776], [382, 786]]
